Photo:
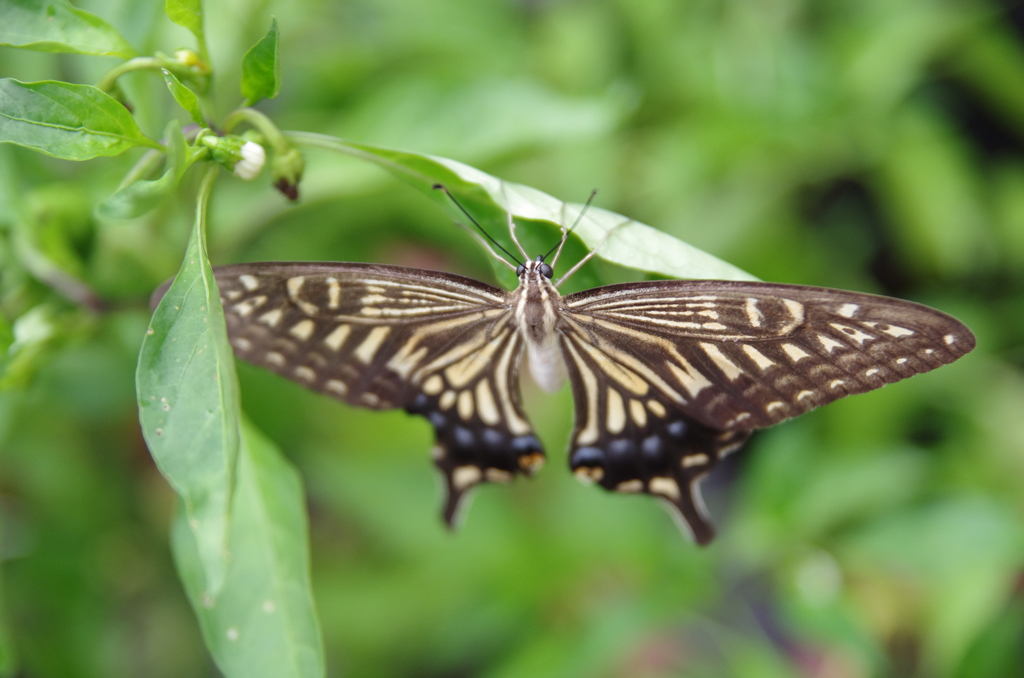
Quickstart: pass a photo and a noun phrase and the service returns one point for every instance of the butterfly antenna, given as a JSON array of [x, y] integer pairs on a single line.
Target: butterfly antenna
[[441, 187], [565, 233], [512, 222], [592, 252]]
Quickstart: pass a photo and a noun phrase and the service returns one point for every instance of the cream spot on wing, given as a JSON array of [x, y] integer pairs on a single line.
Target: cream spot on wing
[[464, 371], [271, 318], [639, 414], [626, 378], [630, 486], [690, 460], [754, 314], [616, 420], [795, 353], [403, 362], [853, 333], [728, 367], [295, 285], [894, 331], [241, 343], [465, 476], [666, 487], [275, 358], [901, 361], [949, 339], [804, 394], [714, 326], [366, 350], [244, 308], [691, 379], [335, 339], [336, 386], [497, 475], [589, 433], [872, 372], [836, 383], [433, 385], [657, 408], [306, 373], [333, 293], [742, 416], [759, 358], [774, 405], [588, 475], [929, 351], [829, 343], [371, 399], [233, 294], [303, 329], [465, 405], [447, 400], [249, 282], [847, 310], [485, 405], [796, 309]]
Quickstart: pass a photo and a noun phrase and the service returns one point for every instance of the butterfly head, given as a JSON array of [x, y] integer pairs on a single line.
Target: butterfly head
[[533, 269]]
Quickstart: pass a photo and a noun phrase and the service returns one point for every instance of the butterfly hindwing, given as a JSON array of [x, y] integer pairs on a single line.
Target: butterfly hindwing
[[630, 437], [435, 344]]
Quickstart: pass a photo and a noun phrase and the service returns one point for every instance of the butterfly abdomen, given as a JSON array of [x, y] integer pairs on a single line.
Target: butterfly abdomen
[[537, 307]]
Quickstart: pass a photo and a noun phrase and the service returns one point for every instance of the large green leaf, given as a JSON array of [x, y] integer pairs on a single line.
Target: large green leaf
[[73, 122], [262, 622], [625, 242], [188, 399], [261, 68], [55, 26]]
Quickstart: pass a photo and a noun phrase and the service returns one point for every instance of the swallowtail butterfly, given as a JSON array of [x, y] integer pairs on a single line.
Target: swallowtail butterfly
[[668, 377]]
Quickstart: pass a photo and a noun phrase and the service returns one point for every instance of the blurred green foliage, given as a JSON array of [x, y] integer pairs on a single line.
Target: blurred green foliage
[[865, 144]]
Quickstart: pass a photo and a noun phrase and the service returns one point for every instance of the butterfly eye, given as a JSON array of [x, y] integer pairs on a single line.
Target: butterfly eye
[[546, 271], [520, 270]]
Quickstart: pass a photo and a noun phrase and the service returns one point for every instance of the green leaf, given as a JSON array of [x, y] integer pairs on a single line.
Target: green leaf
[[55, 26], [261, 68], [143, 195], [187, 13], [188, 399], [32, 335], [73, 122], [8, 659], [262, 622], [185, 97], [629, 243]]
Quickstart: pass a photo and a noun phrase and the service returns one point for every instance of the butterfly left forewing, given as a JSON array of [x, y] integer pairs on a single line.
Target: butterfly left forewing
[[724, 358], [437, 345]]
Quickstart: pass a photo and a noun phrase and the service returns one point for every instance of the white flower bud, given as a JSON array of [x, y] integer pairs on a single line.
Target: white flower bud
[[252, 160]]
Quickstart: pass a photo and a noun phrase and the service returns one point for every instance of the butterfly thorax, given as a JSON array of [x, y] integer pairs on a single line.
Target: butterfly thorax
[[537, 305]]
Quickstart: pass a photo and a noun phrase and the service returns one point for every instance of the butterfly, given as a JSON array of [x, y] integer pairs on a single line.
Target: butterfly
[[667, 377]]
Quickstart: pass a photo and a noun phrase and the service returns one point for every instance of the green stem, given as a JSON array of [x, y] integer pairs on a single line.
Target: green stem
[[262, 123], [109, 81], [203, 199]]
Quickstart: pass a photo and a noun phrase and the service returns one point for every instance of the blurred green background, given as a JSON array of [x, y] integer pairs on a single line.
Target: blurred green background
[[866, 144]]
